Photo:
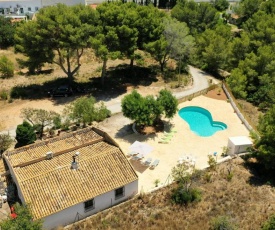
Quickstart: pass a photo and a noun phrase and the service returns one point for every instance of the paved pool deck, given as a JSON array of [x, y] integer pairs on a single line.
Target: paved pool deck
[[184, 142]]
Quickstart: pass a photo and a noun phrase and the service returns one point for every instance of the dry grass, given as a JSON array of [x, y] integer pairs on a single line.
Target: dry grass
[[250, 111], [248, 205]]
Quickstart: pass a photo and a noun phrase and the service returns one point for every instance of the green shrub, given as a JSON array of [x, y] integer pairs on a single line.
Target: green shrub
[[269, 224], [5, 142], [24, 219], [57, 122], [169, 76], [212, 162], [139, 60], [84, 110], [25, 134], [207, 177], [182, 196], [98, 69], [4, 95], [102, 112], [229, 176], [222, 223], [6, 67], [65, 125]]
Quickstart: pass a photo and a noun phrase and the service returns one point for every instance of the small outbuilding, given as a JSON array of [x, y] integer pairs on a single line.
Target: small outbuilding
[[238, 144]]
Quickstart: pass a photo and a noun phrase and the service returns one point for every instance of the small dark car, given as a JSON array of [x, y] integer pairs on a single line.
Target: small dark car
[[61, 91]]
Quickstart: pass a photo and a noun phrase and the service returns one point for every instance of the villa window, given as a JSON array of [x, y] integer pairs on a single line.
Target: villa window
[[36, 8], [29, 9], [119, 193], [89, 205]]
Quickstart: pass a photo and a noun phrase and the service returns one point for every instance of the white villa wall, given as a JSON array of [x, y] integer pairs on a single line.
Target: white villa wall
[[34, 4], [14, 5], [77, 212], [67, 2]]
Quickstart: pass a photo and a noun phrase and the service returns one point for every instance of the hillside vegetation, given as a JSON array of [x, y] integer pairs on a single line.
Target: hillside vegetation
[[244, 200]]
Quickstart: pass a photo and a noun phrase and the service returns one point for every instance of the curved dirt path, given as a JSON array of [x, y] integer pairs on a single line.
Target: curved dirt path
[[200, 82]]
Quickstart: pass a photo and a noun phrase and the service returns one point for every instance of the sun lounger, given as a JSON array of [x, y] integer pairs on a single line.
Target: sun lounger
[[155, 163], [138, 157], [166, 138], [172, 131], [133, 153], [168, 134], [147, 162], [164, 141]]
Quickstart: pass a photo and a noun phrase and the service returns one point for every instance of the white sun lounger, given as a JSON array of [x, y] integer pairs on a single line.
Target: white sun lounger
[[138, 157], [132, 153], [155, 163], [147, 162]]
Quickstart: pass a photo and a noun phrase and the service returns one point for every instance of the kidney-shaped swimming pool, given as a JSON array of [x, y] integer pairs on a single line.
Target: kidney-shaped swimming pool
[[200, 121]]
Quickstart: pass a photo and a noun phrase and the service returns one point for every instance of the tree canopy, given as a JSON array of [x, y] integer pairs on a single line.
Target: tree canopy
[[175, 42], [221, 5], [212, 48], [58, 35], [247, 8], [253, 76], [124, 28], [265, 146], [85, 110], [7, 30], [198, 17], [39, 118], [148, 110]]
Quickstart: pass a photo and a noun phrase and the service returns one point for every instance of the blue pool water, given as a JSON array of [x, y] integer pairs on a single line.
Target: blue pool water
[[200, 121]]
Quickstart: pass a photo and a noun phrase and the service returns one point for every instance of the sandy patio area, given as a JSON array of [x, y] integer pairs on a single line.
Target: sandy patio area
[[184, 142]]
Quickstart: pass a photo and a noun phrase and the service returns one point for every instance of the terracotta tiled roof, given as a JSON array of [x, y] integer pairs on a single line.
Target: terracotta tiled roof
[[51, 185], [58, 144]]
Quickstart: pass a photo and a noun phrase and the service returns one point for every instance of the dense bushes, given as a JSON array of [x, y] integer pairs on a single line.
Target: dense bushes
[[182, 196], [25, 134], [6, 67], [269, 224], [85, 110], [222, 223], [5, 142], [185, 174]]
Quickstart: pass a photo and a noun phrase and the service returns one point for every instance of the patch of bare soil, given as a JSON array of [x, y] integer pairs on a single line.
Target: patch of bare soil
[[247, 204], [217, 93]]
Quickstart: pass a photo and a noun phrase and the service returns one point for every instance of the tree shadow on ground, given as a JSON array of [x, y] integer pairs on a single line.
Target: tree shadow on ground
[[127, 134], [36, 91], [116, 83], [124, 131], [260, 176], [119, 78], [138, 166], [138, 135]]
